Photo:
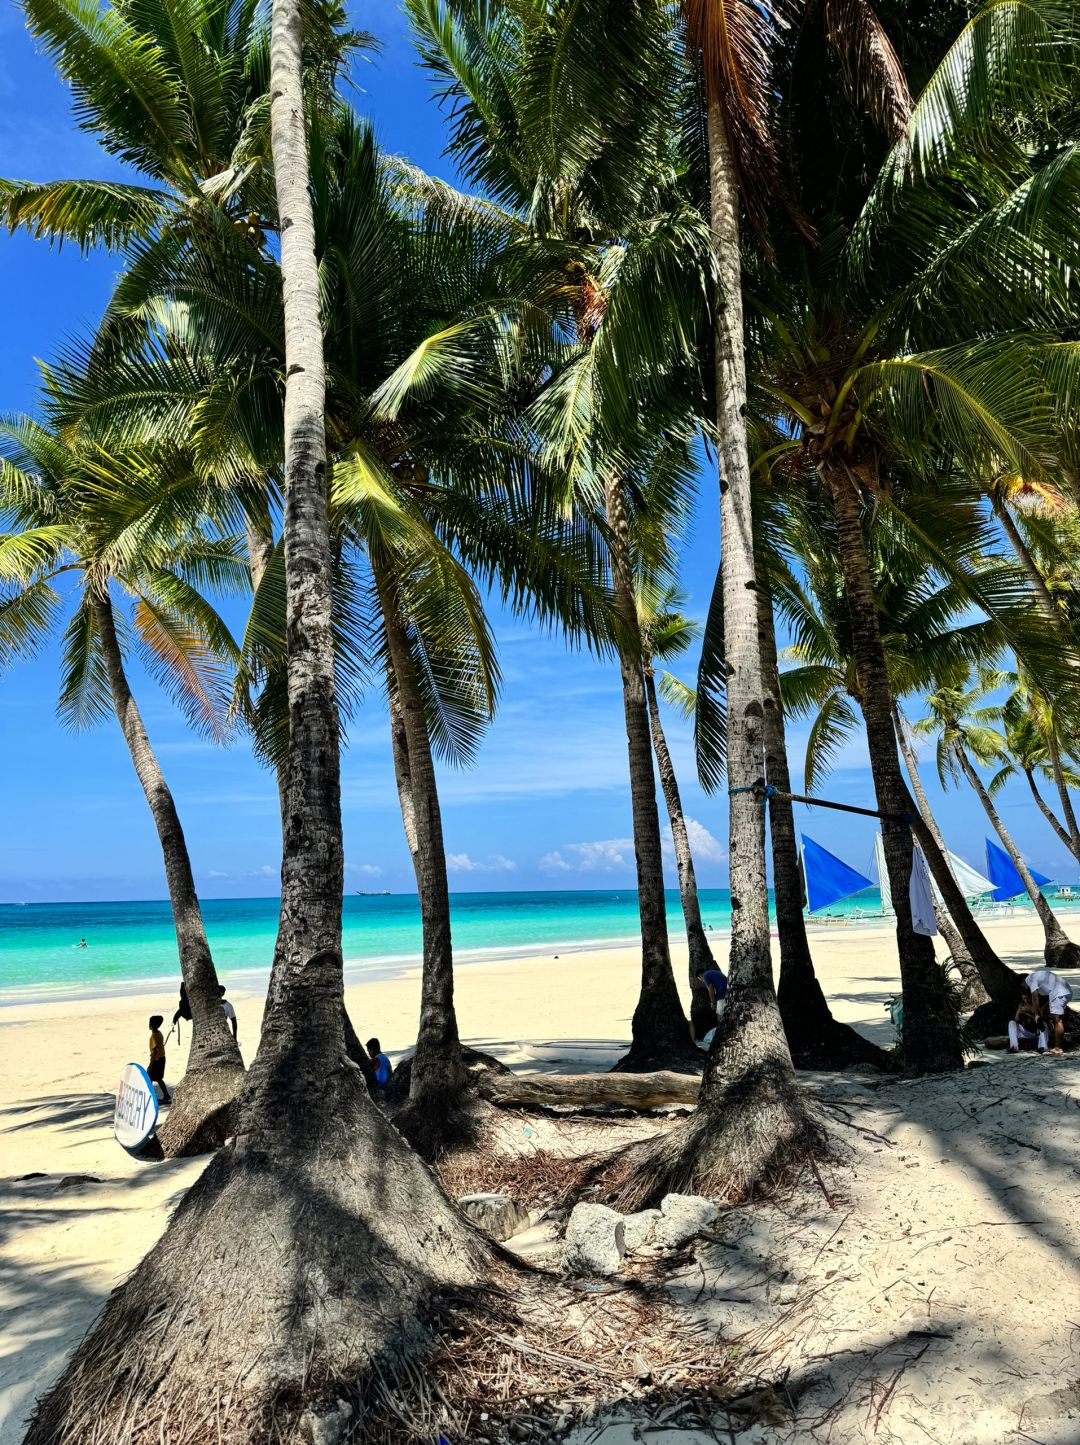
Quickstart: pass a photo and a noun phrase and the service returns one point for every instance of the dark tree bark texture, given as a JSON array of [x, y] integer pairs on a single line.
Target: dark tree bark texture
[[930, 1041], [201, 1113], [660, 1032]]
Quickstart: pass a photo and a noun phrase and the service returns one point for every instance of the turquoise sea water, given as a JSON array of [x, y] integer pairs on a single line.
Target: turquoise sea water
[[133, 943], [130, 943]]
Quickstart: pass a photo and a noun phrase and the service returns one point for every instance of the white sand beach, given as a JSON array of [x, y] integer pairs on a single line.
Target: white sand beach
[[957, 1215]]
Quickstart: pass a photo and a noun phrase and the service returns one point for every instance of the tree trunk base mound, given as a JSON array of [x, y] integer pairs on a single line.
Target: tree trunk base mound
[[837, 1047], [299, 1268], [443, 1120], [989, 1019], [679, 1059], [753, 1136], [1062, 953], [476, 1062], [203, 1112]]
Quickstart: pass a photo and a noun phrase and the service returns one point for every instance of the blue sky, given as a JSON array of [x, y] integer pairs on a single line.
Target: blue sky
[[545, 806]]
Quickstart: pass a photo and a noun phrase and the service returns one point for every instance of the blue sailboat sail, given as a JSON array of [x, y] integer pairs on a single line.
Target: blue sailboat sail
[[827, 877], [1003, 875]]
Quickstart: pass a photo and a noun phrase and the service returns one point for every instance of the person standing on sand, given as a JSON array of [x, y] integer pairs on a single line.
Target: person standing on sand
[[156, 1069], [702, 1008], [228, 1010], [1050, 994]]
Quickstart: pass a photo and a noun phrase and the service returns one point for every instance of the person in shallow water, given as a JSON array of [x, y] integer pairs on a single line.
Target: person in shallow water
[[156, 1067]]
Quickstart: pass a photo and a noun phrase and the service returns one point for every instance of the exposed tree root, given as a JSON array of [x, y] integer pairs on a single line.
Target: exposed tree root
[[299, 1266], [754, 1134], [202, 1114]]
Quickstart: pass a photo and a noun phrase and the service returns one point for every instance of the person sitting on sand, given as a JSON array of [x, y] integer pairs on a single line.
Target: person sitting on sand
[[156, 1069], [228, 1010], [702, 1008], [1027, 1030], [383, 1066], [1050, 994]]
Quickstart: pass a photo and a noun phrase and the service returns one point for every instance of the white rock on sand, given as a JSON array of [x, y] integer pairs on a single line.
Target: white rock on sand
[[595, 1240]]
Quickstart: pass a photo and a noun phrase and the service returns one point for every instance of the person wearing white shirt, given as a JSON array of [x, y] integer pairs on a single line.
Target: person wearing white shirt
[[228, 1010], [1050, 994]]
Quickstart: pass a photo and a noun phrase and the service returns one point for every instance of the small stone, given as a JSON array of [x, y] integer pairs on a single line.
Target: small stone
[[683, 1216], [639, 1229], [329, 1428], [497, 1215], [595, 1240], [73, 1181]]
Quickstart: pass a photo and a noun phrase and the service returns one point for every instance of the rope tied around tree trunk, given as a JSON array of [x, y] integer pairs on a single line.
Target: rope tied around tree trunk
[[767, 791]]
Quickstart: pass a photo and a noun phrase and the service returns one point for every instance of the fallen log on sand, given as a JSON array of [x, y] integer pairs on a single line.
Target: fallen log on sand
[[632, 1091]]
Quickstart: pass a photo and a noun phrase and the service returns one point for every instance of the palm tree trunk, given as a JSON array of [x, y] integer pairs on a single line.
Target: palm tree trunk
[[1046, 810], [438, 1072], [929, 1037], [1059, 950], [1047, 605], [198, 1117], [1053, 614], [660, 1032], [959, 926], [314, 1205], [751, 1122], [1072, 840], [700, 953], [814, 1037]]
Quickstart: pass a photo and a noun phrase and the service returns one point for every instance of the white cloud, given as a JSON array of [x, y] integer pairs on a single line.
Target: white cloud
[[702, 843], [365, 870], [493, 863], [555, 862], [216, 873], [603, 856]]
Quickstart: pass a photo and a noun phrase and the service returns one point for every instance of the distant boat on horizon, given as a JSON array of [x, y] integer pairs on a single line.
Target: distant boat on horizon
[[381, 893]]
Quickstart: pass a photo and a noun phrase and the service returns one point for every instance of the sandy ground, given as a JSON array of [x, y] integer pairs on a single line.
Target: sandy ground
[[950, 1254]]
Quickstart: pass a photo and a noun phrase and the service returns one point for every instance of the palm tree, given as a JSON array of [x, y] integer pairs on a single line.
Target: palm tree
[[309, 1146], [575, 135], [815, 1038], [667, 633], [1028, 724], [82, 511], [935, 618], [433, 483], [867, 375], [964, 731]]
